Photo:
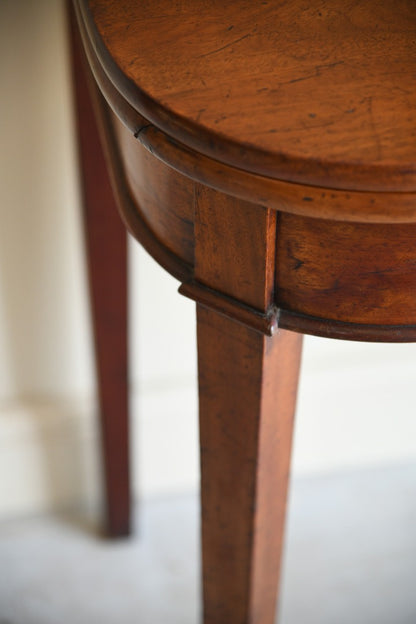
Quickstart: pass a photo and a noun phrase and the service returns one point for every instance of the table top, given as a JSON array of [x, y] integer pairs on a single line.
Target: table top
[[319, 92]]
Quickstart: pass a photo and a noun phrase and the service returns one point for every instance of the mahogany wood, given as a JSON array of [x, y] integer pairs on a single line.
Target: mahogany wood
[[264, 322], [350, 272], [130, 211], [150, 216], [298, 90], [165, 197], [287, 319], [247, 390], [307, 200], [235, 247], [106, 246], [313, 200]]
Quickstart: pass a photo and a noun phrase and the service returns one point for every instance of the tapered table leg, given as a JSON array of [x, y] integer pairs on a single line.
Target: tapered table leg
[[247, 393], [106, 245]]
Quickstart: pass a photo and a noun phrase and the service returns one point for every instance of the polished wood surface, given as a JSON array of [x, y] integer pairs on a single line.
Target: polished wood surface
[[106, 250], [313, 200], [317, 92], [247, 389], [318, 261], [347, 271], [233, 255], [165, 197], [247, 396]]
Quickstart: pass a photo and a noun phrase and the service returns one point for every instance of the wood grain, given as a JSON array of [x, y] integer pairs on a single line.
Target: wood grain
[[314, 92], [235, 247], [306, 200], [350, 272], [310, 200], [266, 323], [164, 197], [150, 194], [247, 390]]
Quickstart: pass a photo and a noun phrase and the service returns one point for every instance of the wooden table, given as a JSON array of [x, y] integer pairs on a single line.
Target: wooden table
[[265, 154]]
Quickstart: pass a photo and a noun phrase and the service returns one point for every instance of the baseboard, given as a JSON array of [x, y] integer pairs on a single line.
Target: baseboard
[[50, 450], [48, 456]]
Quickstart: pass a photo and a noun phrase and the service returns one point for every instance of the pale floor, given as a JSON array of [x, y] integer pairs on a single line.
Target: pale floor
[[350, 557]]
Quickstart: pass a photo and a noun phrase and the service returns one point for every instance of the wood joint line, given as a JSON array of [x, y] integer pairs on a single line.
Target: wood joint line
[[263, 322]]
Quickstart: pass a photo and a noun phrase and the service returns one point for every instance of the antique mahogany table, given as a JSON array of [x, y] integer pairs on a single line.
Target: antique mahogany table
[[264, 153]]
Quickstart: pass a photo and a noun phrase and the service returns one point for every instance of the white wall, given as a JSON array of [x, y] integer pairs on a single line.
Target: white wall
[[356, 403]]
